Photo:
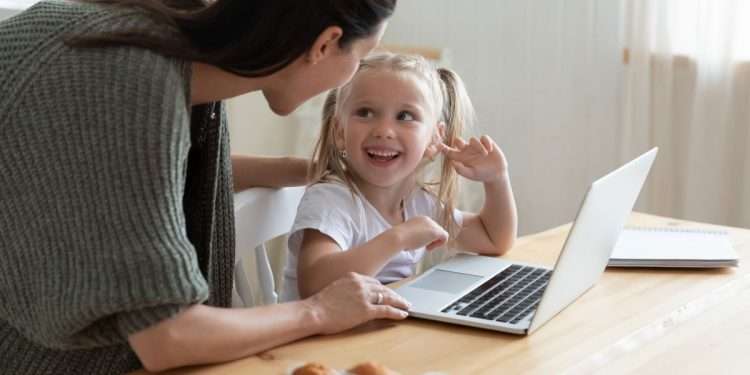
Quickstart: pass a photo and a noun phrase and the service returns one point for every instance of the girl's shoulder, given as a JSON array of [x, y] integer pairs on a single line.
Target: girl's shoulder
[[330, 194], [328, 187]]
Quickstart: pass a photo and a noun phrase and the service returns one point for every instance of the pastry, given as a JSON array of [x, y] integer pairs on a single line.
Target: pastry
[[371, 368], [314, 368]]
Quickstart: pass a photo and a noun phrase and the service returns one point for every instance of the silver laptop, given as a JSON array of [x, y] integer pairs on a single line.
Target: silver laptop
[[515, 297]]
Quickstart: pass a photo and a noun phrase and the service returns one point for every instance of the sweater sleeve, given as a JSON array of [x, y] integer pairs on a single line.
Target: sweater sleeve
[[94, 245]]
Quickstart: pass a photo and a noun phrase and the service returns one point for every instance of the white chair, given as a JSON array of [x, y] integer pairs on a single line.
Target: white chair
[[261, 214]]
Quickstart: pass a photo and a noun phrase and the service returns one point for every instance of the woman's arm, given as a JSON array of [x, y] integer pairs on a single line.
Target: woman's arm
[[253, 171], [321, 260], [203, 334]]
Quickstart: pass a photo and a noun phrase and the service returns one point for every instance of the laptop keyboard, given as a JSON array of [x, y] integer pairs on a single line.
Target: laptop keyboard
[[507, 297]]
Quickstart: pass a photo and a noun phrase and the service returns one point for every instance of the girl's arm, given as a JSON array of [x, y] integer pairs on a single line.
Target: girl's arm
[[321, 260], [203, 334], [252, 171], [494, 229]]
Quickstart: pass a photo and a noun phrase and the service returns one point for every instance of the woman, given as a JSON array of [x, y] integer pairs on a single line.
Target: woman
[[116, 205]]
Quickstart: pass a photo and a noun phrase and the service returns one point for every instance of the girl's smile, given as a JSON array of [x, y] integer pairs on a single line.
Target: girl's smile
[[382, 156]]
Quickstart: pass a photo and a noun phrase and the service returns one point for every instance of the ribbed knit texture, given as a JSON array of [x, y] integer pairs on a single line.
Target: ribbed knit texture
[[115, 200]]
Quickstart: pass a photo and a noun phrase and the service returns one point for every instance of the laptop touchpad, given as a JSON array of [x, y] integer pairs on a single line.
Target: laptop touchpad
[[446, 281]]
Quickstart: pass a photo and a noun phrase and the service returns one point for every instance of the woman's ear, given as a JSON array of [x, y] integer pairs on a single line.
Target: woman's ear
[[325, 44]]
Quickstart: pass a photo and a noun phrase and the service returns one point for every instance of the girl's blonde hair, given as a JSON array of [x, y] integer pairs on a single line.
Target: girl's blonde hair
[[451, 102]]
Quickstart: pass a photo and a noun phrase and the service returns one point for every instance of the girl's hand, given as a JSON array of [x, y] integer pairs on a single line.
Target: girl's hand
[[479, 159], [420, 231]]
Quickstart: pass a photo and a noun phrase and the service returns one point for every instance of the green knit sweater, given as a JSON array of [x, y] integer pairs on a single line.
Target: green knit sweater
[[115, 200]]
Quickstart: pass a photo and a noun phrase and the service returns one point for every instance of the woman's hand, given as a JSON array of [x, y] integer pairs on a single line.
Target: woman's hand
[[479, 159], [420, 231], [355, 299]]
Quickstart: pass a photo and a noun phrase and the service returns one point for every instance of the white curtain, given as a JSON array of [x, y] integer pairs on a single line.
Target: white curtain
[[687, 90]]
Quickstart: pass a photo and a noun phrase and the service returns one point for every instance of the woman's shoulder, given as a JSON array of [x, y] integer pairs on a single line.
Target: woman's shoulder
[[52, 25], [51, 21], [36, 32], [39, 54]]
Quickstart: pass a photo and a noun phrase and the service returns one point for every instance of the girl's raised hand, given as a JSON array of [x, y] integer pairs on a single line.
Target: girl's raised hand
[[479, 159]]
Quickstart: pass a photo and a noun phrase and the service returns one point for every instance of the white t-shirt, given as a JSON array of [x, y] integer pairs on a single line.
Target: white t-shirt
[[350, 222]]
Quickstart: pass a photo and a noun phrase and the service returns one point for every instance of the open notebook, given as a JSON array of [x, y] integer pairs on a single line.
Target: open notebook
[[673, 247]]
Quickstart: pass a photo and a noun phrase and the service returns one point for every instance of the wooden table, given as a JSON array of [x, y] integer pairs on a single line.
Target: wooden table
[[632, 321]]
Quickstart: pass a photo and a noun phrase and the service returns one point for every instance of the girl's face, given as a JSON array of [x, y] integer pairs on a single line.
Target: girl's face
[[304, 79], [385, 125]]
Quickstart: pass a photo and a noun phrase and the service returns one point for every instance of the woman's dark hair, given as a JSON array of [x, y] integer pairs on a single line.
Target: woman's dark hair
[[251, 38]]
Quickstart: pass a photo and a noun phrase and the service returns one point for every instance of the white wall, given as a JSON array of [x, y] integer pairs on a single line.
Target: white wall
[[255, 129], [544, 75]]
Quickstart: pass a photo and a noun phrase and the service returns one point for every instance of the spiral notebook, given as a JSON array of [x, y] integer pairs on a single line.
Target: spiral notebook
[[673, 247]]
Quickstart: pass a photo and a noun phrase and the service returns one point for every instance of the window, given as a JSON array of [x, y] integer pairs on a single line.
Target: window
[[710, 29]]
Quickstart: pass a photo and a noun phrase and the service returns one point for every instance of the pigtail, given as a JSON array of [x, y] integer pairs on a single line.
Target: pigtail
[[326, 158], [458, 114], [327, 163]]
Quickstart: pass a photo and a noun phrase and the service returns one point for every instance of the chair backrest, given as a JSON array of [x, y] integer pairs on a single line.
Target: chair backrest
[[260, 214]]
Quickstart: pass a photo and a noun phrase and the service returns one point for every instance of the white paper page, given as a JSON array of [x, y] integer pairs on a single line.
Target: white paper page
[[673, 244]]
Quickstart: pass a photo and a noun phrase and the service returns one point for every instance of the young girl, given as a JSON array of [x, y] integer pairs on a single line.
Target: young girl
[[368, 210]]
